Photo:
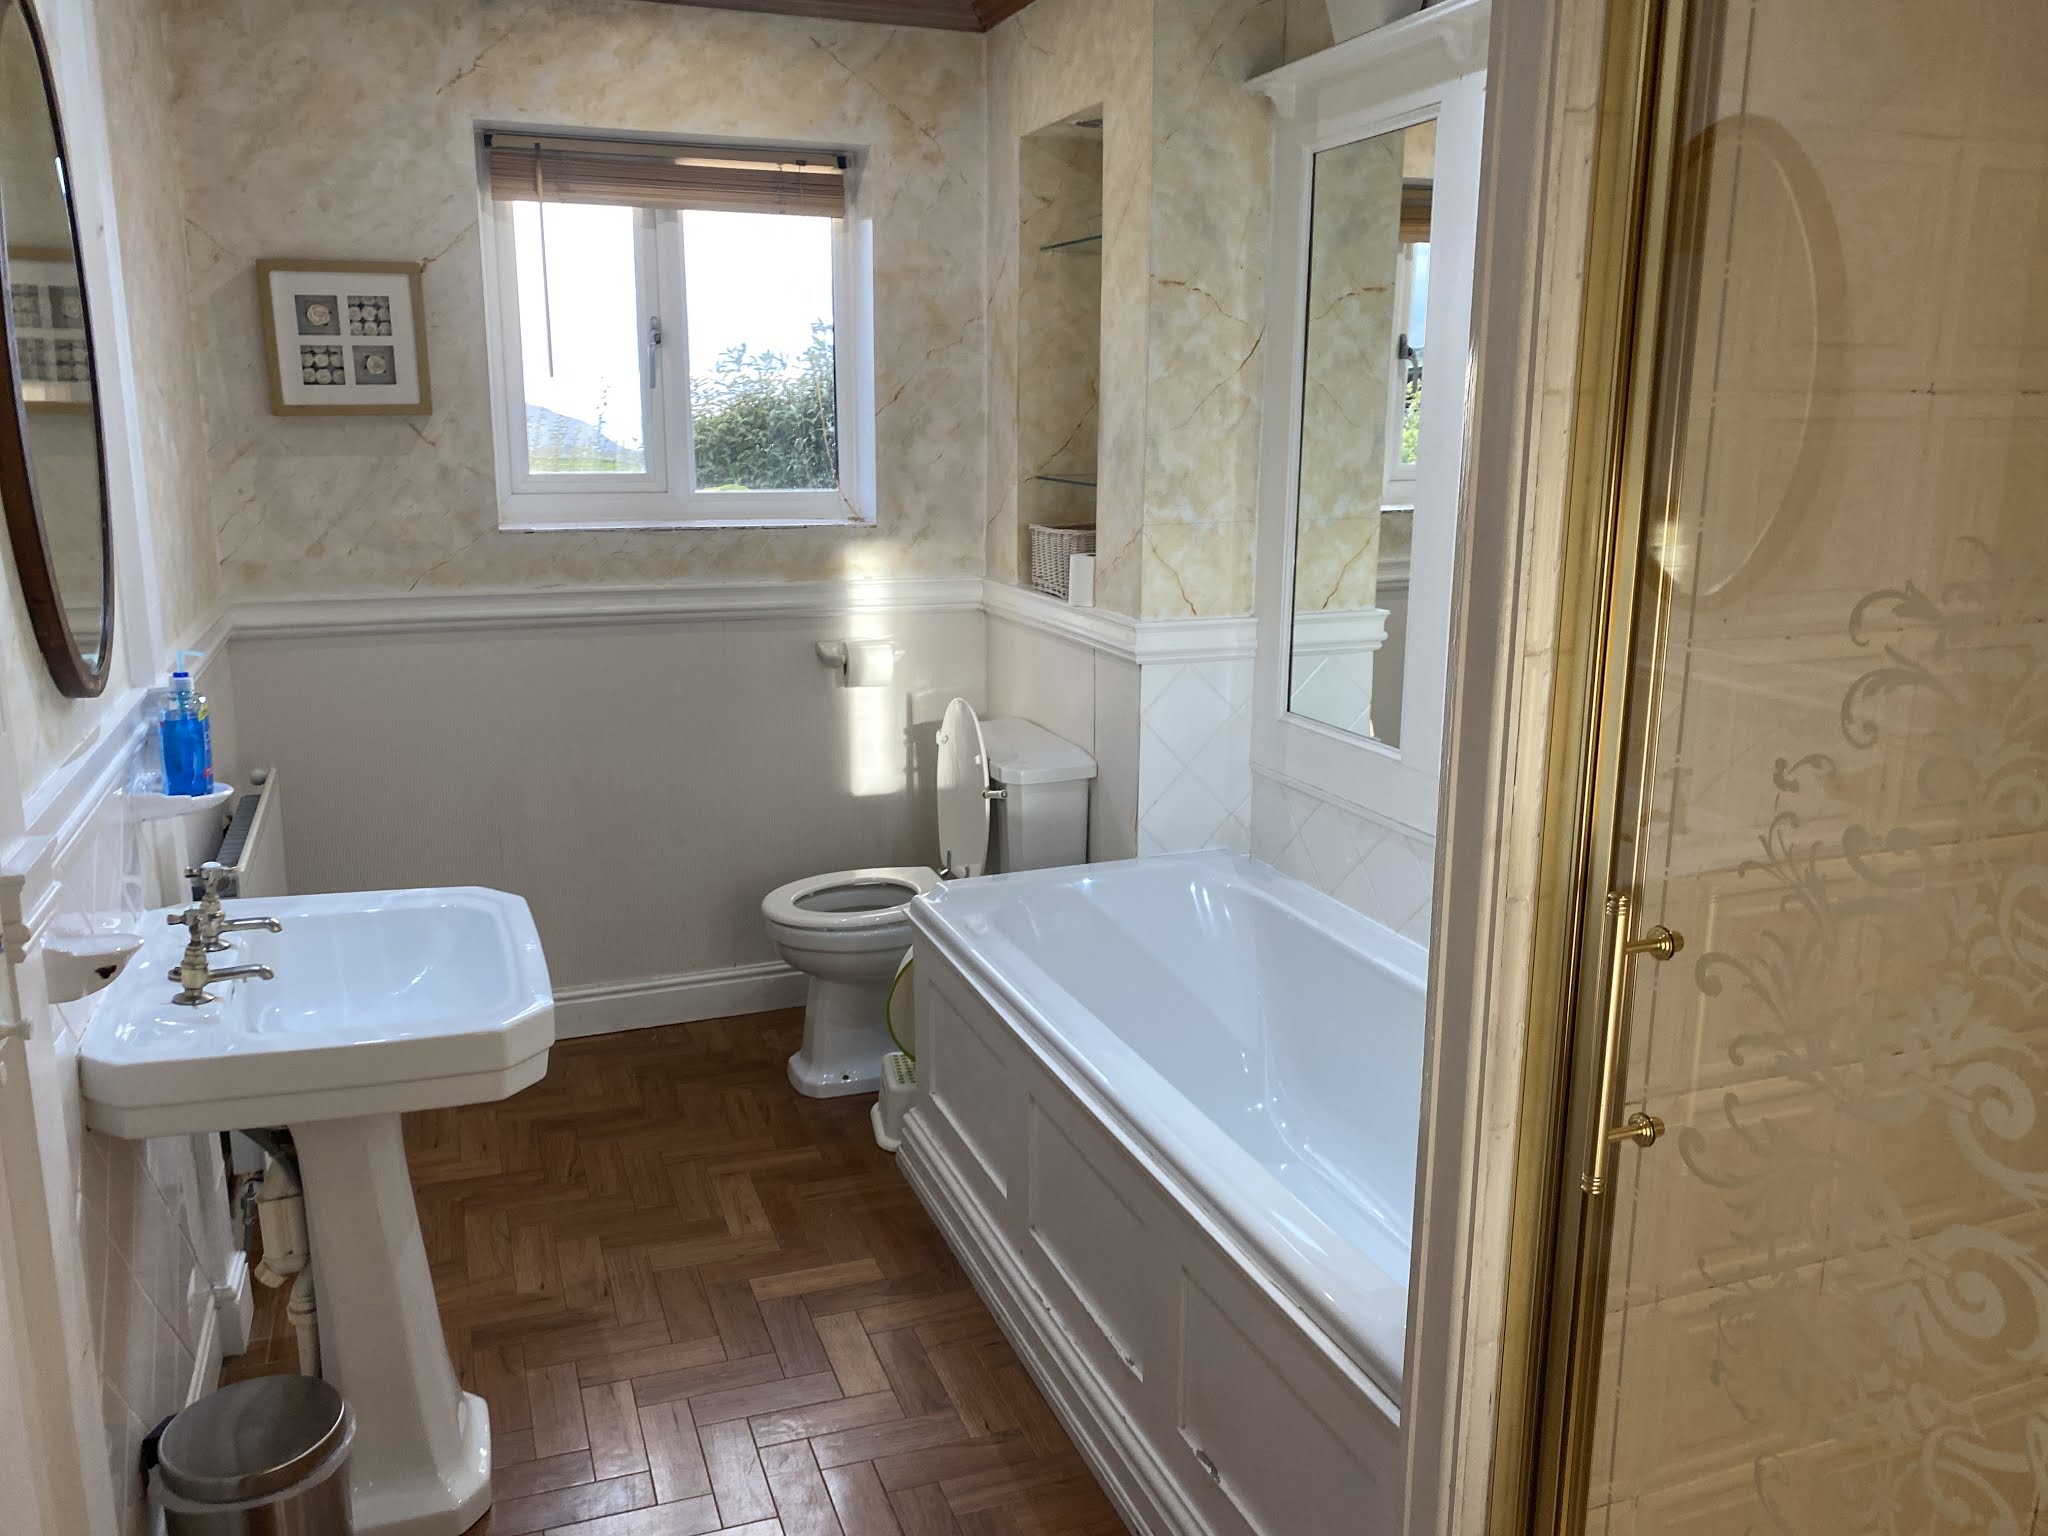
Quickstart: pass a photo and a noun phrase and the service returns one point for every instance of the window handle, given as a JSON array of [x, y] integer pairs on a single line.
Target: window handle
[[653, 348]]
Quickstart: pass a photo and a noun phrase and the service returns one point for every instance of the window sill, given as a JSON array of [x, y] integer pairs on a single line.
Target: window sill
[[675, 524]]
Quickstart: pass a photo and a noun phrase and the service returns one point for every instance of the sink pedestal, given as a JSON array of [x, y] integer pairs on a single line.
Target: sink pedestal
[[422, 1460], [382, 1002]]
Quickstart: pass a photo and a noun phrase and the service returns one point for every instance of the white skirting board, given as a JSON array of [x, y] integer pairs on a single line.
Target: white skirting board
[[234, 1302], [206, 1359], [607, 1008], [224, 1328]]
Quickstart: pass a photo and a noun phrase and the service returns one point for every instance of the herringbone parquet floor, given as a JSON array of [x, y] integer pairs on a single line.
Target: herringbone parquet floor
[[698, 1302]]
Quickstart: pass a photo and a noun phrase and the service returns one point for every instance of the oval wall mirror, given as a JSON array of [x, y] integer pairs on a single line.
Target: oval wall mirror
[[1758, 361], [53, 482]]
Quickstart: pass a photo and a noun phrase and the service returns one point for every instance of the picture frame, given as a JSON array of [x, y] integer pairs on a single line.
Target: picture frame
[[47, 305], [344, 338]]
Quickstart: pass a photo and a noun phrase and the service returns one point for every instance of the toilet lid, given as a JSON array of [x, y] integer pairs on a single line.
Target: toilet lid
[[963, 801]]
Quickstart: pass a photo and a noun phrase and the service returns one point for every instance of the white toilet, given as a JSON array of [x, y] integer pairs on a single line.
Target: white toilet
[[1012, 796]]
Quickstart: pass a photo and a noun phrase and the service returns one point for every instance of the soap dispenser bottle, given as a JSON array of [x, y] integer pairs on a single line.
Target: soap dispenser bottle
[[187, 737]]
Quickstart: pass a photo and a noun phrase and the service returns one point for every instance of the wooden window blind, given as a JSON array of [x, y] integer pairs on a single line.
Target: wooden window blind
[[621, 172], [1415, 200]]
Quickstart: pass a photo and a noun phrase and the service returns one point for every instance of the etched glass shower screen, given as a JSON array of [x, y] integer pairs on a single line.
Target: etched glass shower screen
[[1827, 1310]]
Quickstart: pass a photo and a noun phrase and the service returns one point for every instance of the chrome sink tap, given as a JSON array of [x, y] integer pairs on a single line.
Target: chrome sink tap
[[212, 875], [194, 972]]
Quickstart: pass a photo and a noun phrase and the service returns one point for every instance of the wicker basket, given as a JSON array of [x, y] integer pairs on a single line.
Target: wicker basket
[[1050, 550]]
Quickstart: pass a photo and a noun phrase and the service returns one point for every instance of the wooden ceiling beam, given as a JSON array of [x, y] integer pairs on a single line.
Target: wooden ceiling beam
[[945, 15], [993, 11]]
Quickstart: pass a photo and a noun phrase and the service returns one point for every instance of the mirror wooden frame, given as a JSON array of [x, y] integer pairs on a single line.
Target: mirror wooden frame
[[75, 677]]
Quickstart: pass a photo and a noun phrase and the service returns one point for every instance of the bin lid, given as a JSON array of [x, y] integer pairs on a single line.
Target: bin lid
[[252, 1438]]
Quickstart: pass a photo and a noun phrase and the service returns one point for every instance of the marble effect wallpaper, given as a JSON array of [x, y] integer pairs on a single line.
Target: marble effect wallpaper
[[358, 142], [1205, 305], [1059, 326], [133, 212], [1186, 152], [347, 129], [161, 344], [1046, 65], [1354, 253]]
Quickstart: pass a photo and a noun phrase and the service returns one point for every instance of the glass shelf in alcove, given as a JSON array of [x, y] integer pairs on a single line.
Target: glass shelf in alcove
[[1080, 243], [1081, 480]]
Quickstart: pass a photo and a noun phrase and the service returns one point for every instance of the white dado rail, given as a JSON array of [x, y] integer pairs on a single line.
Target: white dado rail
[[1116, 634], [1144, 641], [442, 612]]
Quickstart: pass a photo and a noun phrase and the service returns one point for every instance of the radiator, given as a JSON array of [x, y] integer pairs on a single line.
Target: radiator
[[253, 846]]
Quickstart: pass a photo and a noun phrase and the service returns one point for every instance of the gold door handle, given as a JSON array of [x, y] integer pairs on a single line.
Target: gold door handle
[[1644, 1129]]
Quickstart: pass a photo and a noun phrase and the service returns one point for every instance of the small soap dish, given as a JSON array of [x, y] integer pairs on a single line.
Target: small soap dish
[[146, 806], [77, 964]]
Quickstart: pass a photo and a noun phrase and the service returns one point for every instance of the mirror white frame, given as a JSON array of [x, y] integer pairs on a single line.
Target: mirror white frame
[[1427, 66]]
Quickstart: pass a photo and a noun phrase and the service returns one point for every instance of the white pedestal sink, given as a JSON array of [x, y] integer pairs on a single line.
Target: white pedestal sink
[[384, 1001]]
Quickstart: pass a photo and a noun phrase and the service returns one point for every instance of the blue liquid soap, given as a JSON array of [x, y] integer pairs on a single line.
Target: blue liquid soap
[[187, 738]]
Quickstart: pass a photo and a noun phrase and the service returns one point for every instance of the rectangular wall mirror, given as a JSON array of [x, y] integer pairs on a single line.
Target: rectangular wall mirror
[[1360, 430], [1369, 318]]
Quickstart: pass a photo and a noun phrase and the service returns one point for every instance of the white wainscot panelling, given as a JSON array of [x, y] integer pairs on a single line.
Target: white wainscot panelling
[[1206, 1407], [643, 780], [163, 1291], [1043, 677], [1087, 694], [1386, 873], [1194, 756]]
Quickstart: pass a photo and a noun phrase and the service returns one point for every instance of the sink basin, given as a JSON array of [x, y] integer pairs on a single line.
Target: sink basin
[[383, 1002]]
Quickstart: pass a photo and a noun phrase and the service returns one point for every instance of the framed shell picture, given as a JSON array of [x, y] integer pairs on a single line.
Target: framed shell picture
[[345, 338], [47, 305]]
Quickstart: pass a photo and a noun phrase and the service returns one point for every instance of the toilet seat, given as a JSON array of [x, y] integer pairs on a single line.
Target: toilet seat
[[963, 792], [853, 908]]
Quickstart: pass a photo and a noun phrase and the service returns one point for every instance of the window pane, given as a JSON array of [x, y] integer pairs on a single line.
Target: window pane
[[1411, 383], [763, 400], [580, 335]]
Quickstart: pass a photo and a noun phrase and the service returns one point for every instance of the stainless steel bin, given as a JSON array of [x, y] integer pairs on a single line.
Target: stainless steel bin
[[267, 1457]]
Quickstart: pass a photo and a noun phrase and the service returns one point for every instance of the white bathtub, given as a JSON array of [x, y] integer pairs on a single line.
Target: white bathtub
[[1171, 1079]]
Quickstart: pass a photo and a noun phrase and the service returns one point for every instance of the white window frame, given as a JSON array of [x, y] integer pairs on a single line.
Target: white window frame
[[665, 494], [1398, 492]]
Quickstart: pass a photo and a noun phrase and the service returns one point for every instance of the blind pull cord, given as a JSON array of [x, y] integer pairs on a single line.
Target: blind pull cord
[[547, 290]]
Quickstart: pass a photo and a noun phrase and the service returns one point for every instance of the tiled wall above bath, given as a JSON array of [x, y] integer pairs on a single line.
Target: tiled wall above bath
[[1194, 756], [1383, 872], [1194, 783]]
